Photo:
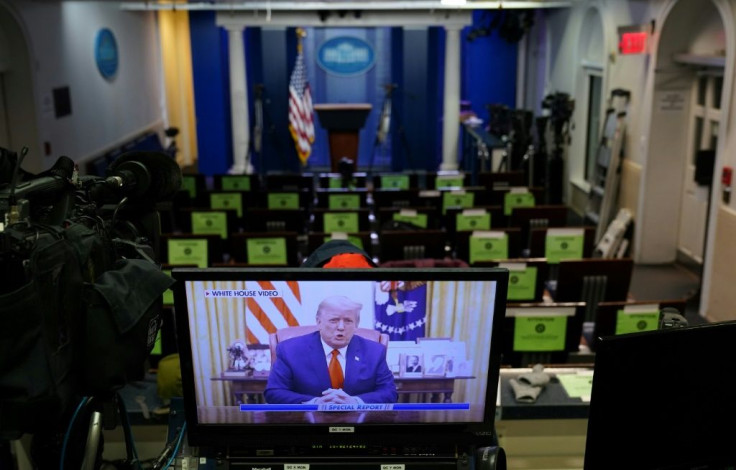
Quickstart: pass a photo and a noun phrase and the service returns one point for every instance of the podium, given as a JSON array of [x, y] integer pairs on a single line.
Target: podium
[[343, 122]]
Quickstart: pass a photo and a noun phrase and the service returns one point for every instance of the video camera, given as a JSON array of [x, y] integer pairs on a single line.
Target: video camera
[[560, 107], [80, 285]]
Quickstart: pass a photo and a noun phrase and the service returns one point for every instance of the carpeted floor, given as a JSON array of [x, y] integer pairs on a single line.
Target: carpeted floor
[[667, 281]]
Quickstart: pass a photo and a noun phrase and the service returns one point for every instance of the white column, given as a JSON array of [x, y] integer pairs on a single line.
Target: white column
[[451, 120], [239, 103]]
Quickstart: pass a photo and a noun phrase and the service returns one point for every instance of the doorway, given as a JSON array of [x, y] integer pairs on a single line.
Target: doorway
[[705, 116]]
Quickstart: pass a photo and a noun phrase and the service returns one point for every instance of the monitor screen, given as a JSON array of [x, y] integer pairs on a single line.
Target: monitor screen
[[662, 400], [419, 354]]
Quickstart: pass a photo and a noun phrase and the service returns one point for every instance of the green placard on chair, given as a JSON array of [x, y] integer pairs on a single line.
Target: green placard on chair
[[411, 216], [461, 199], [235, 182], [563, 243], [227, 201], [335, 182], [449, 181], [283, 200], [343, 201], [188, 251], [472, 219], [539, 333], [157, 347], [340, 222], [355, 240], [189, 184], [209, 222], [395, 181], [522, 281], [517, 197], [488, 246], [635, 318], [266, 251], [168, 296]]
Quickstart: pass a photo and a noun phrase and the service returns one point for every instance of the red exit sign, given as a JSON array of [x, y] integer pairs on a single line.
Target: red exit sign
[[633, 42]]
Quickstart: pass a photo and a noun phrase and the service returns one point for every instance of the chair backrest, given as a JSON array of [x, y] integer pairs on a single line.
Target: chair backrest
[[283, 334]]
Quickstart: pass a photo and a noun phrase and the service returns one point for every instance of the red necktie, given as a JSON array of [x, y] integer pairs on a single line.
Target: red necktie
[[336, 376]]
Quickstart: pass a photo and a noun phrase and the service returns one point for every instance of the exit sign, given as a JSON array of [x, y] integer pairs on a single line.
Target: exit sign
[[633, 40]]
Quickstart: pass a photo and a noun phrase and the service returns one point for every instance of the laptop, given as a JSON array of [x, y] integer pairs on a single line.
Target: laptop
[[231, 322]]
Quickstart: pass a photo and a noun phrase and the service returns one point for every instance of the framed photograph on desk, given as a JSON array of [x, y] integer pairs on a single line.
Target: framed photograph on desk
[[435, 365], [411, 365]]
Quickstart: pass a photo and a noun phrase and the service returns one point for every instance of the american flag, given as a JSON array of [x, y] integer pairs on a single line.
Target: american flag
[[301, 123], [266, 315]]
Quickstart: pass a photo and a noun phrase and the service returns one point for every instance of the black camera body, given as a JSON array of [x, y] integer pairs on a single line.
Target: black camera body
[[80, 287]]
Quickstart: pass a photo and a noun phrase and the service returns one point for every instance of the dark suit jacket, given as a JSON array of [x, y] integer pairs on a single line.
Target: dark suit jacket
[[300, 371]]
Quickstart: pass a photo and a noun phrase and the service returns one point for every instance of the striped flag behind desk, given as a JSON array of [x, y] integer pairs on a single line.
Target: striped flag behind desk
[[265, 315], [401, 309]]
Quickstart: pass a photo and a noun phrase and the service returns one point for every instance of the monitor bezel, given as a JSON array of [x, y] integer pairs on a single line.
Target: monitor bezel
[[215, 435]]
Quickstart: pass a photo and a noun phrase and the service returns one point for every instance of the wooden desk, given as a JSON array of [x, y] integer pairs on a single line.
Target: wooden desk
[[424, 389]]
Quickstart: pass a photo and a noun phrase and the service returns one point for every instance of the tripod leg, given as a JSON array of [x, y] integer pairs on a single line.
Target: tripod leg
[[92, 448]]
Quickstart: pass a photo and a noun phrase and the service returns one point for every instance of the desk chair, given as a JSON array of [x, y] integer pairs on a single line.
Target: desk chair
[[532, 343], [283, 334], [412, 244], [593, 281]]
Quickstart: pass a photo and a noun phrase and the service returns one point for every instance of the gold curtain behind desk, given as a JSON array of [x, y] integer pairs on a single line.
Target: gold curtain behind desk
[[222, 324], [176, 55], [463, 311]]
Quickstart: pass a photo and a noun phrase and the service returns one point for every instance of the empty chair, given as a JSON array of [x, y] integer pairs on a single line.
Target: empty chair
[[487, 245], [412, 244], [592, 281], [265, 248], [267, 220], [338, 220], [544, 333]]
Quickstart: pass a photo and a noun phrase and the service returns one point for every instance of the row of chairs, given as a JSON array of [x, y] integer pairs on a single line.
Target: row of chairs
[[524, 345], [286, 181], [473, 247]]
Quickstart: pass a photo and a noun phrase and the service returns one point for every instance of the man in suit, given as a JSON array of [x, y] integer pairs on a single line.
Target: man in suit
[[307, 370]]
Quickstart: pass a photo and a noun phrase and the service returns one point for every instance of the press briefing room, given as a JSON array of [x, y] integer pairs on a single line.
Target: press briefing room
[[381, 235]]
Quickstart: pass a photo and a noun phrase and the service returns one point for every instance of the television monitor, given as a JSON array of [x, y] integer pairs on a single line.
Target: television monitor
[[661, 400], [449, 316]]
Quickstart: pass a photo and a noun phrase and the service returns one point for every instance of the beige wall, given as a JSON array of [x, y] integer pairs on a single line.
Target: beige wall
[[722, 295]]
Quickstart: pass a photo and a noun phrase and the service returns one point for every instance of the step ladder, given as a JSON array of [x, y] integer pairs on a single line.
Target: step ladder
[[603, 195]]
